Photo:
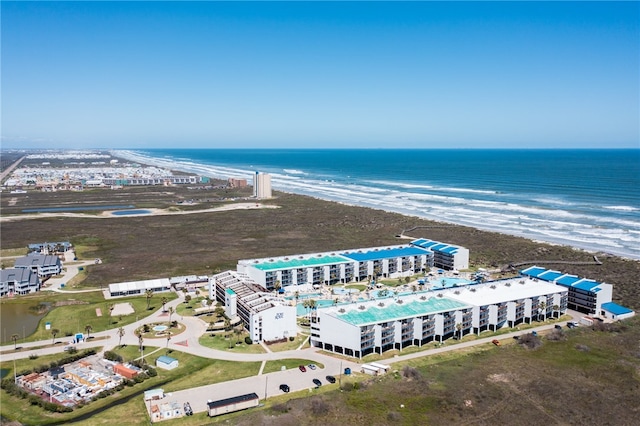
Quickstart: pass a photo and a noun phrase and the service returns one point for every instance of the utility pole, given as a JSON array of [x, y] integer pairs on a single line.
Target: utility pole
[[266, 382], [340, 376]]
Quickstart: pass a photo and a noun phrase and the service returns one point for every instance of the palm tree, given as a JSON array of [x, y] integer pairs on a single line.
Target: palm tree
[[149, 295], [305, 304], [277, 286], [459, 328], [238, 332], [556, 308], [170, 313], [313, 305], [120, 335], [164, 302], [140, 341], [168, 338], [543, 308], [87, 329], [15, 337], [54, 333], [297, 296], [187, 298]]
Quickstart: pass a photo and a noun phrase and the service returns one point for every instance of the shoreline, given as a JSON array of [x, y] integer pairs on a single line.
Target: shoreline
[[223, 172]]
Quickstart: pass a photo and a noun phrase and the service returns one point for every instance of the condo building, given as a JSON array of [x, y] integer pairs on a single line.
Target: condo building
[[262, 185], [329, 268], [266, 316], [374, 326], [42, 264], [18, 281], [445, 256]]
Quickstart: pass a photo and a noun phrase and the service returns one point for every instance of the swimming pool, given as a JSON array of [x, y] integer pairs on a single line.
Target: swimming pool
[[304, 296], [342, 291], [320, 303], [448, 282], [130, 212]]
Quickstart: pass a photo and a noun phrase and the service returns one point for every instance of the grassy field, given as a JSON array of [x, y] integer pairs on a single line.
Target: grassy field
[[146, 247], [232, 344], [590, 377]]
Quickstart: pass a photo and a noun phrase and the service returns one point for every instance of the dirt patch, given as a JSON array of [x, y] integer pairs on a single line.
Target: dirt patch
[[122, 309]]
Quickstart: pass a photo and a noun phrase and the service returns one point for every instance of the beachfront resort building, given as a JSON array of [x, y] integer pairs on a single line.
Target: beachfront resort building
[[262, 185], [585, 295], [346, 266], [445, 256], [18, 281], [267, 316], [377, 325], [42, 264]]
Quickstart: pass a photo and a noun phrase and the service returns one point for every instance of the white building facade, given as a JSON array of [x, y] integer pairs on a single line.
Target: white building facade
[[266, 316], [262, 185], [374, 326], [329, 268]]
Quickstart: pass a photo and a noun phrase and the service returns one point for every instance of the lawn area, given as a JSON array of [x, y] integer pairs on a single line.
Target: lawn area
[[289, 345], [193, 371], [74, 312], [289, 363], [219, 342], [361, 287]]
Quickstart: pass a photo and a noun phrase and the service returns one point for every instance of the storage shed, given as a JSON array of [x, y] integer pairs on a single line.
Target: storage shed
[[614, 311], [166, 362]]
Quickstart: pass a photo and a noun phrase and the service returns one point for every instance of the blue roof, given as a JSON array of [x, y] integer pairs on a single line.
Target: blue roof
[[568, 280], [533, 271], [386, 254], [424, 243], [550, 275], [419, 242], [616, 309], [166, 359], [450, 249], [439, 246], [587, 285]]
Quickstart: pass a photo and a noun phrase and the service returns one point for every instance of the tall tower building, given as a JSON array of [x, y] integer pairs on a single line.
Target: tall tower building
[[262, 185]]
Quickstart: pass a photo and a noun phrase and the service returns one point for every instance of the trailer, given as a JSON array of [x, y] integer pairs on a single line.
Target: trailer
[[230, 405], [370, 369], [382, 367]]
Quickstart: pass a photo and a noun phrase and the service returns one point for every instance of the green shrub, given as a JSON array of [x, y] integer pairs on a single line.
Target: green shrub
[[248, 340]]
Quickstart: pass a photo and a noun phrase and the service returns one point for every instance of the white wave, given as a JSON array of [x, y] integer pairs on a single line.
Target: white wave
[[294, 172], [622, 208], [574, 225], [431, 187]]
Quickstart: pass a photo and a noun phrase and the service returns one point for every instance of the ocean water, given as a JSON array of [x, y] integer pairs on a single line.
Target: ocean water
[[588, 199]]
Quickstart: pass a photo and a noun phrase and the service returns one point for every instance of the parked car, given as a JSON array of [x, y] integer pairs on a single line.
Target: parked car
[[284, 388], [571, 324], [317, 382], [312, 366], [187, 409], [496, 342], [331, 379], [558, 327], [302, 368]]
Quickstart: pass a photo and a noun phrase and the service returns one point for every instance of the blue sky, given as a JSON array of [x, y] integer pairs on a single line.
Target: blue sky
[[331, 74]]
